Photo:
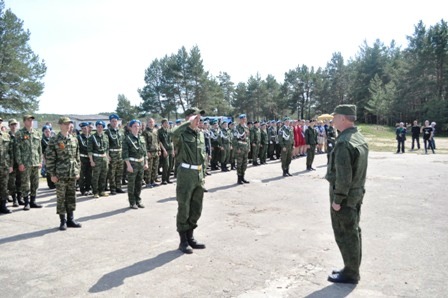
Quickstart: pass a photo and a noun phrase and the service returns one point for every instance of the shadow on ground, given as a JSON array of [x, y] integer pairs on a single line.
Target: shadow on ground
[[333, 291]]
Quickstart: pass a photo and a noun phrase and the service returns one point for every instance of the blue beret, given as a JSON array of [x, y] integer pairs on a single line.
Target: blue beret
[[133, 121], [230, 122], [170, 122], [279, 121], [82, 124], [272, 121], [114, 116], [178, 121], [242, 116], [100, 122], [286, 119], [45, 127]]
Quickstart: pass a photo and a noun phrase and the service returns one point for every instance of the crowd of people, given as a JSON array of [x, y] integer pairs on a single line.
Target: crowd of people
[[428, 131]]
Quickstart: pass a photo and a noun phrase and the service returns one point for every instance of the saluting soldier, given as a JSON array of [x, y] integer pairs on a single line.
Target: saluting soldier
[[115, 172], [14, 182], [311, 142], [153, 148], [225, 146], [346, 174], [85, 176], [28, 149], [98, 151], [6, 164], [216, 144], [264, 141], [255, 138], [135, 157], [286, 142], [63, 165], [241, 145], [166, 146]]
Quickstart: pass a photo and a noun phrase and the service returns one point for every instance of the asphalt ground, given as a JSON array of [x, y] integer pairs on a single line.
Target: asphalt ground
[[269, 238]]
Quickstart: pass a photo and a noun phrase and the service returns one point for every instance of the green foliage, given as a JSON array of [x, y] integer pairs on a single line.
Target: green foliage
[[21, 71], [125, 110]]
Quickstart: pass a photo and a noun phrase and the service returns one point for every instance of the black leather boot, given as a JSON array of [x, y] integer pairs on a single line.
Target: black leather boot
[[244, 180], [26, 203], [71, 223], [20, 199], [184, 246], [15, 202], [63, 225], [287, 172], [240, 181], [33, 203], [3, 208], [284, 173], [193, 243]]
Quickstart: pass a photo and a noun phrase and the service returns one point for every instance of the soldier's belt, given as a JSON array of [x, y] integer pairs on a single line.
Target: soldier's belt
[[136, 159], [242, 142], [83, 155], [99, 155], [115, 150], [193, 167]]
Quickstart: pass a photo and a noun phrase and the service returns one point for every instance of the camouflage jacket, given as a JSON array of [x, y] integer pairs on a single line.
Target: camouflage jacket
[[225, 136], [164, 136], [115, 138], [255, 135], [215, 139], [151, 139], [83, 142], [62, 156], [98, 144], [241, 137], [134, 147], [285, 136], [310, 136], [5, 150], [264, 140], [28, 148]]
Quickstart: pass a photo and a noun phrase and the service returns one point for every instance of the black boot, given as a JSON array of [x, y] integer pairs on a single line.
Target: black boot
[[3, 208], [287, 172], [63, 225], [71, 223], [284, 173], [240, 181], [26, 203], [244, 180], [193, 243], [15, 202], [184, 246], [20, 199], [33, 203]]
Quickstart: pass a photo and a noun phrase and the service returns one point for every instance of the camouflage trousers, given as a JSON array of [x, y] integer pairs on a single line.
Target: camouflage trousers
[[153, 166], [286, 156], [85, 175], [255, 150], [167, 166], [189, 195], [241, 160], [66, 195], [263, 153], [29, 181], [14, 182], [99, 174], [4, 173], [135, 182], [115, 173], [225, 155]]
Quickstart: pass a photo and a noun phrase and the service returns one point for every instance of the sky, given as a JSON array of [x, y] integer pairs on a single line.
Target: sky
[[95, 50]]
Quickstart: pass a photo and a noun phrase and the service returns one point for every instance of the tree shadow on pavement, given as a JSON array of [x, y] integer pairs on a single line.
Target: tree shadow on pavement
[[102, 215], [116, 278], [333, 291], [26, 236]]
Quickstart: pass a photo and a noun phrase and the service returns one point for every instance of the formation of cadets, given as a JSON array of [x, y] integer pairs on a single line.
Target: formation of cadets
[[100, 163]]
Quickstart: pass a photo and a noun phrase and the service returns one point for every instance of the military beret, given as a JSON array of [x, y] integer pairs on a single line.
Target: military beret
[[83, 124], [213, 121], [286, 119], [348, 110], [133, 121], [206, 122], [178, 121], [263, 123], [170, 122], [28, 117], [45, 127], [12, 121], [63, 120], [114, 116], [194, 111], [279, 121], [255, 122], [230, 122], [101, 122], [242, 116], [249, 123], [224, 122], [163, 120]]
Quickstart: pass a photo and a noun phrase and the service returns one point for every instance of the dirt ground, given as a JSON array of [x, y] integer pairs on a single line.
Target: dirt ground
[[270, 238]]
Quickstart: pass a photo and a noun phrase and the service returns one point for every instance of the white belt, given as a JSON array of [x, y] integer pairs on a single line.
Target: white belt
[[83, 155], [242, 142], [115, 150], [193, 167], [99, 155], [136, 159]]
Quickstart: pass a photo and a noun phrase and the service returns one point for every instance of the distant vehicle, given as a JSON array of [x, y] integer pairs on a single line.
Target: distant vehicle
[[220, 119]]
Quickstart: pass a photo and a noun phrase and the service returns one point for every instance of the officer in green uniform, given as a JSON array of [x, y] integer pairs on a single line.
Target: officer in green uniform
[[153, 148], [216, 144], [286, 142], [63, 165], [6, 164], [28, 149], [255, 141], [264, 141], [85, 175], [135, 157], [225, 136], [331, 136], [115, 172], [311, 142], [241, 145], [189, 189], [98, 151], [346, 174], [14, 182], [166, 146]]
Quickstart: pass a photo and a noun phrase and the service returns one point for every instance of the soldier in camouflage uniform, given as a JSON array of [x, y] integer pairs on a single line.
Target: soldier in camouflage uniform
[[115, 172], [63, 165], [135, 157], [85, 176], [255, 138], [331, 136], [153, 151], [190, 176], [44, 143], [264, 141], [14, 177], [232, 150], [28, 149], [286, 142], [98, 151], [216, 144], [278, 148], [208, 146], [166, 146], [6, 164], [273, 137], [346, 173], [226, 145], [311, 142], [241, 145]]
